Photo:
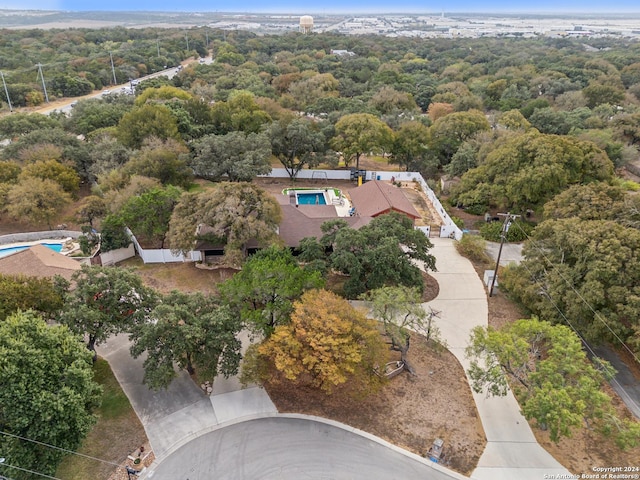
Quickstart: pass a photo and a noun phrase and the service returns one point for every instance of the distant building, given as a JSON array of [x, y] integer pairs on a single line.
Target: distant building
[[342, 53], [306, 24]]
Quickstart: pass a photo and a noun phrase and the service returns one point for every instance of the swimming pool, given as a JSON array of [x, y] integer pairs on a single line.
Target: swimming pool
[[57, 247], [315, 198]]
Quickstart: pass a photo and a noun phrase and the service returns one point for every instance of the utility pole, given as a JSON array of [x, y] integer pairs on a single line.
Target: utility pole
[[44, 87], [186, 37], [113, 70], [508, 218], [158, 47], [6, 91]]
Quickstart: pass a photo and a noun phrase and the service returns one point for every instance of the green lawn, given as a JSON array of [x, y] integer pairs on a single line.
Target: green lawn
[[117, 433]]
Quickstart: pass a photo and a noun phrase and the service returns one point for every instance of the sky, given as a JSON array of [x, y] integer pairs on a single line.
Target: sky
[[334, 6]]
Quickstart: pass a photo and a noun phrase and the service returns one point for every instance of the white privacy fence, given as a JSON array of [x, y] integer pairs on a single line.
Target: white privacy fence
[[162, 255]]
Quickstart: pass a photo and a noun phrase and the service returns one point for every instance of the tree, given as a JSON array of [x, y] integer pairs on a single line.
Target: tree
[[19, 292], [359, 133], [378, 254], [263, 292], [597, 93], [439, 110], [89, 116], [410, 145], [12, 126], [400, 311], [593, 201], [237, 156], [113, 235], [147, 121], [106, 301], [327, 343], [229, 215], [37, 201], [525, 170], [297, 143], [48, 393], [191, 331], [588, 270], [63, 175], [450, 131], [389, 100], [147, 215], [90, 209], [73, 149], [548, 370], [165, 160]]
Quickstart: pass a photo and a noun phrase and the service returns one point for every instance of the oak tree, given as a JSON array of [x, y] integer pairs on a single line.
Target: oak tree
[[191, 331], [48, 393], [263, 292], [327, 343]]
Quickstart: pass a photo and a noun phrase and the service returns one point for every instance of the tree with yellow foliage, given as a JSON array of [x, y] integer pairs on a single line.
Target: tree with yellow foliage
[[327, 343]]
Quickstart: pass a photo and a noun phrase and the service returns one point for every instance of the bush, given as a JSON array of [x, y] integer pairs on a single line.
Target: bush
[[518, 232], [474, 248], [458, 222]]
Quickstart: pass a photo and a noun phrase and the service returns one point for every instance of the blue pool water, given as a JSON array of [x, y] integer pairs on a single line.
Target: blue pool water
[[57, 247], [311, 199]]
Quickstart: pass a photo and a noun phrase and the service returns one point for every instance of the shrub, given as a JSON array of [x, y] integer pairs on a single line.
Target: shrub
[[518, 232], [474, 248]]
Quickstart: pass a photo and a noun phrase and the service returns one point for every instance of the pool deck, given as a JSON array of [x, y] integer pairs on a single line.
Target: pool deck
[[61, 241], [341, 203]]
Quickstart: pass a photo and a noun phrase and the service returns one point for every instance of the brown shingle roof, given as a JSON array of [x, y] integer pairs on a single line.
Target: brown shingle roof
[[296, 224], [38, 261], [375, 198]]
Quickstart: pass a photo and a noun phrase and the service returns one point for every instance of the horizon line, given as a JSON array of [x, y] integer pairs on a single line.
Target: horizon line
[[345, 12]]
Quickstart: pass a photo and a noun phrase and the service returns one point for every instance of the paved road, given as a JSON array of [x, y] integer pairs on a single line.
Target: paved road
[[291, 449], [66, 106]]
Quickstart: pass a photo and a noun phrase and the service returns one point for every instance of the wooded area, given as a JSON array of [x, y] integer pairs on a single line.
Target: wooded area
[[540, 127]]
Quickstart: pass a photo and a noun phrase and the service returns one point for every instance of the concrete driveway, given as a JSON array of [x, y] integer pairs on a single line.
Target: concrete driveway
[[512, 451]]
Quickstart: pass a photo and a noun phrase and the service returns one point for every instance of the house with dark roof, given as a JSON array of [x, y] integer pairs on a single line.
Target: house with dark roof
[[38, 261], [305, 220], [377, 198], [301, 221]]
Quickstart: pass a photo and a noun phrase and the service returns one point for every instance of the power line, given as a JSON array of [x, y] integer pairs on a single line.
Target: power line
[[570, 284], [58, 448], [29, 471], [594, 355]]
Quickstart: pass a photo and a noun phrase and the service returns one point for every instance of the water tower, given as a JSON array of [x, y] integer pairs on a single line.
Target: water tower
[[306, 23]]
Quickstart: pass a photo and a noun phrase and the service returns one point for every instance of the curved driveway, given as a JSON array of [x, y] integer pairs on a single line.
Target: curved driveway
[[287, 448]]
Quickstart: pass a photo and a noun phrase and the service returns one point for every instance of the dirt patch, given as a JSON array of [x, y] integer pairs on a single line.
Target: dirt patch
[[421, 203], [409, 411], [184, 277]]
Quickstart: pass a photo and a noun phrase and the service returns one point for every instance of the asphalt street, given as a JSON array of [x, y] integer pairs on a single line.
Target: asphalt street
[[290, 449]]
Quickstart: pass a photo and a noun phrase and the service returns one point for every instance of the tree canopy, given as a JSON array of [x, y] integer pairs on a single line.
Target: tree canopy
[[327, 343], [589, 270], [359, 133], [525, 170], [554, 381], [229, 215], [191, 331], [297, 143], [235, 156], [378, 254], [19, 292], [48, 393], [263, 292], [105, 301]]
